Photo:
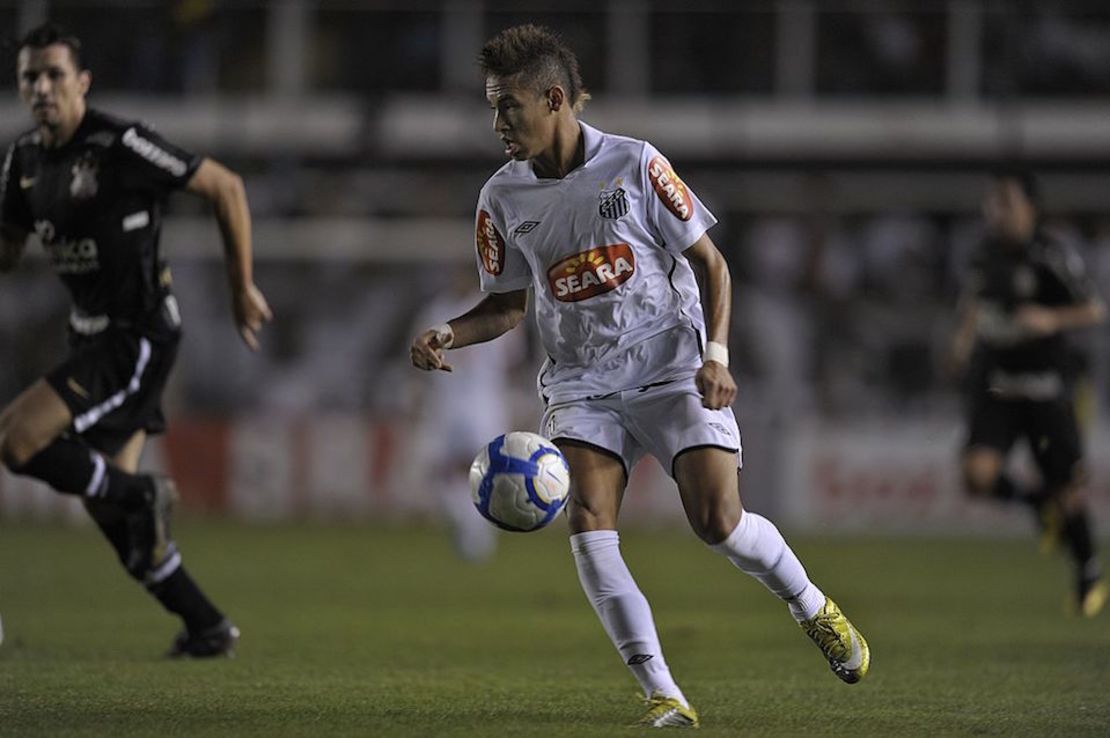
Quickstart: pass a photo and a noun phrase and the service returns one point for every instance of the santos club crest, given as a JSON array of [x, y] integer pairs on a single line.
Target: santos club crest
[[613, 203]]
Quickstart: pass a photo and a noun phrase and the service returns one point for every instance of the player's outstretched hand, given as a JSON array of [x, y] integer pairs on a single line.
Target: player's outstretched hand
[[716, 385], [251, 311], [427, 350]]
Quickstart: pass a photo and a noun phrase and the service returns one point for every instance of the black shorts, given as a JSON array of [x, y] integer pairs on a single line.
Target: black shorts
[[1049, 427], [112, 383]]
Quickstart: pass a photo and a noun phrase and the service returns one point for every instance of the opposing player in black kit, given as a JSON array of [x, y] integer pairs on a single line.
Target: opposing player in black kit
[[1026, 290], [92, 188]]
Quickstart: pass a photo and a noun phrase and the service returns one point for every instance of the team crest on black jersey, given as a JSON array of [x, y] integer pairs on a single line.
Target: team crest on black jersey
[[613, 203], [1025, 282], [84, 184]]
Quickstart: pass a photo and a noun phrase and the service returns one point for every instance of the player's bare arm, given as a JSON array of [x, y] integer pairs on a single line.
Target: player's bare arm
[[717, 387], [13, 240], [964, 338], [495, 315], [1046, 321], [224, 189]]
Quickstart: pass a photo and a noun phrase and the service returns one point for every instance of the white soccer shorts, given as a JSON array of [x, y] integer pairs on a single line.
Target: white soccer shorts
[[662, 420]]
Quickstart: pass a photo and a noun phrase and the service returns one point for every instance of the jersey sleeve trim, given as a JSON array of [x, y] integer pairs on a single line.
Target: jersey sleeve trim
[[695, 239], [502, 288]]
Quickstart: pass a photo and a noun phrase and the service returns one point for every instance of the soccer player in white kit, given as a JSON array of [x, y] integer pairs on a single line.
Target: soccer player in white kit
[[608, 238]]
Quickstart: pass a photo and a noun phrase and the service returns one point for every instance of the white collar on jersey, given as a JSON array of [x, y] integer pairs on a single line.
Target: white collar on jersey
[[591, 138]]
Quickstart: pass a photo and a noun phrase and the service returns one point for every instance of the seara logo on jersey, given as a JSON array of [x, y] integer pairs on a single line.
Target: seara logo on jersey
[[592, 272], [670, 188], [491, 247]]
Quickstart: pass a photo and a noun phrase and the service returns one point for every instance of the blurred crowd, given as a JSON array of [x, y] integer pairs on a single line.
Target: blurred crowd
[[843, 314], [842, 317], [853, 317], [861, 48]]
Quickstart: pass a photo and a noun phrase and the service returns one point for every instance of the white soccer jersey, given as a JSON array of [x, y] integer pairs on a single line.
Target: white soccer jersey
[[616, 302]]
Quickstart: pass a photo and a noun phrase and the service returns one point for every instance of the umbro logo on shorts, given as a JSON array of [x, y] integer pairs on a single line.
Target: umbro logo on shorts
[[526, 227], [640, 658], [721, 428]]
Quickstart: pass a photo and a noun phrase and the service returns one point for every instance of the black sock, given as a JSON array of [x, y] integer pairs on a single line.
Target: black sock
[[179, 594], [1077, 532], [1006, 489], [71, 467]]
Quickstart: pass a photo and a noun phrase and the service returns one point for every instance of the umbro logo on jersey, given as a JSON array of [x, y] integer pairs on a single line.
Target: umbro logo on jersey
[[613, 203], [526, 227]]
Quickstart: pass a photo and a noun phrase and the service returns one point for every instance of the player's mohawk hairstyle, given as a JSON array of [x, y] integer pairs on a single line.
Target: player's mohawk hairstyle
[[540, 56]]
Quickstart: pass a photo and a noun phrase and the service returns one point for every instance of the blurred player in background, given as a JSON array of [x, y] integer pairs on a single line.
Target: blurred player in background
[[92, 188], [1026, 290], [608, 238], [458, 414]]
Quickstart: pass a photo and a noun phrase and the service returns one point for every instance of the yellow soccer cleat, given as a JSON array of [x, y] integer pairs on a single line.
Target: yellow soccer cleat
[[667, 712], [843, 645], [1051, 527], [1093, 599]]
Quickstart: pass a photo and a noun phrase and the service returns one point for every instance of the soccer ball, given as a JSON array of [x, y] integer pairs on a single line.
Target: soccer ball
[[519, 481]]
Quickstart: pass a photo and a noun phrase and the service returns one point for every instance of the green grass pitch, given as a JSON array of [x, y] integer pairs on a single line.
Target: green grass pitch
[[380, 631]]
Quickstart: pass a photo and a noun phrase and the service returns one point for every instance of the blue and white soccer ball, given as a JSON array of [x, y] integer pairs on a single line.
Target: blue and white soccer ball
[[520, 481]]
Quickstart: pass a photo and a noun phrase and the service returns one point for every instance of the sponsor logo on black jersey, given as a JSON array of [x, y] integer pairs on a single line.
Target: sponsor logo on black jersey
[[613, 203], [153, 153], [68, 255]]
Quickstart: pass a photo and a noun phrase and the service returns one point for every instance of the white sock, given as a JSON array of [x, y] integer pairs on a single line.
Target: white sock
[[757, 548], [623, 609]]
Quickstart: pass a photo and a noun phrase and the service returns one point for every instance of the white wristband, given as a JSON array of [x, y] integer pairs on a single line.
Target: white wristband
[[717, 352], [444, 335]]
